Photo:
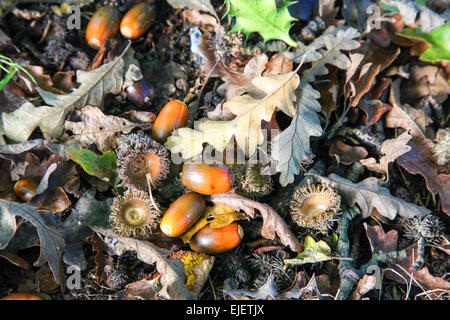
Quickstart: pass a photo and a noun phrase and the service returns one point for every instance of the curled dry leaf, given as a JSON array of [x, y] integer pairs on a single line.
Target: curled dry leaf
[[391, 149], [266, 291], [419, 160], [406, 117], [345, 153], [373, 110], [236, 83], [97, 128], [173, 278], [197, 18], [203, 5], [196, 266], [273, 224], [278, 64], [376, 59]]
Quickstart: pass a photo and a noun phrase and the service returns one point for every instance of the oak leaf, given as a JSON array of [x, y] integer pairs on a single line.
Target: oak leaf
[[95, 84], [406, 117], [98, 128], [391, 150], [419, 160], [273, 224], [246, 127], [368, 194]]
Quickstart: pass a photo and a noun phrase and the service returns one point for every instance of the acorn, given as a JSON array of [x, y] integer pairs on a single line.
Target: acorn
[[314, 206], [133, 215], [25, 189], [137, 155], [206, 179], [174, 115], [140, 92], [217, 240], [137, 20], [22, 296], [103, 25], [182, 214]]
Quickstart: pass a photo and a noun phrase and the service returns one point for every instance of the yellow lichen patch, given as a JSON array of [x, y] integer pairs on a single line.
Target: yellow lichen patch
[[196, 266]]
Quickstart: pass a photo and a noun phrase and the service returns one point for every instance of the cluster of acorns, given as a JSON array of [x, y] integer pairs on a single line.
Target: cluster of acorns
[[143, 163], [106, 23]]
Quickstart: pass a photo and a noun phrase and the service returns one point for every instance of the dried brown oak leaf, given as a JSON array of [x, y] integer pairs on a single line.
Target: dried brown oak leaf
[[94, 86], [419, 160], [376, 59], [387, 242], [368, 194], [273, 224], [391, 150], [236, 83], [278, 64], [173, 278], [405, 116], [98, 128], [345, 153]]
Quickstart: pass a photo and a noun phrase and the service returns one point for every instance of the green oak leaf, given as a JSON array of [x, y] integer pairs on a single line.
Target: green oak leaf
[[438, 39], [103, 167], [262, 16]]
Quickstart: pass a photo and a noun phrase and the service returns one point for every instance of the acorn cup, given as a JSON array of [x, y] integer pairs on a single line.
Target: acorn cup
[[103, 25], [137, 20], [206, 179], [137, 156], [174, 115], [182, 214], [217, 240]]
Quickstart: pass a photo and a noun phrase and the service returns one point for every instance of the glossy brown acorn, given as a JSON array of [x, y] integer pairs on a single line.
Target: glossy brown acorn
[[25, 189], [137, 20], [140, 92], [182, 214], [206, 178], [21, 296], [103, 25], [217, 240], [174, 115]]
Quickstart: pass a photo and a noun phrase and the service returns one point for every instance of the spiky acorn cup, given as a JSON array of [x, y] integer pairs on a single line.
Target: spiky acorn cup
[[441, 151], [314, 206], [133, 215], [137, 155], [264, 265], [428, 229], [250, 182]]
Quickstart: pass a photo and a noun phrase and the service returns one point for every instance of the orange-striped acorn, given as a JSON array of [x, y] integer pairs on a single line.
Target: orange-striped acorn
[[217, 240], [174, 115], [25, 189], [206, 179], [137, 20], [182, 214], [21, 296], [103, 25]]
